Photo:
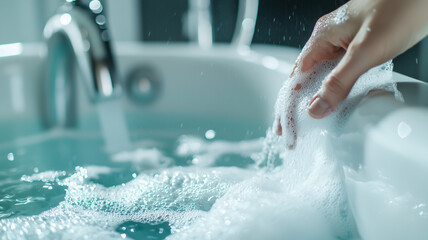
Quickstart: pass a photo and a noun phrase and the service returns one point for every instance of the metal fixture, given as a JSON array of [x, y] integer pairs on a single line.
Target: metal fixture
[[78, 36], [246, 23], [200, 27], [143, 85]]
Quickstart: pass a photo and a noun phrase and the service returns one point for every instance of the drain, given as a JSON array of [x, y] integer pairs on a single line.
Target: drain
[[143, 85]]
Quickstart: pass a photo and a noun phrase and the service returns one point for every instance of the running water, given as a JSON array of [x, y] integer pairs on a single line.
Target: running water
[[113, 125], [283, 194]]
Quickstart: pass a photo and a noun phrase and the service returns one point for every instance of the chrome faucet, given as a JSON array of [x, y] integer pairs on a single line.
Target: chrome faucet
[[200, 28], [199, 23], [78, 36], [246, 23]]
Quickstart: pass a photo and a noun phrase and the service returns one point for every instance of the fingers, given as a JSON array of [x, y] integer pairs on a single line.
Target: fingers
[[317, 49], [340, 81], [291, 131], [320, 48], [278, 127]]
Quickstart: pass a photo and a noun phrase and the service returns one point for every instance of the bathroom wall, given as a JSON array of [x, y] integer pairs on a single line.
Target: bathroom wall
[[280, 22], [19, 21]]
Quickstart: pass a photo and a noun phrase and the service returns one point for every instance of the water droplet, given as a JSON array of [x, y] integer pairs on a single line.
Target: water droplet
[[65, 19], [10, 157], [95, 6], [403, 130], [210, 134]]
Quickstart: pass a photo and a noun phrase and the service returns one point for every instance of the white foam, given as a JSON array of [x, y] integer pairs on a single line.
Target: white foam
[[177, 196], [48, 176], [206, 153], [295, 103], [94, 172], [144, 159], [304, 198]]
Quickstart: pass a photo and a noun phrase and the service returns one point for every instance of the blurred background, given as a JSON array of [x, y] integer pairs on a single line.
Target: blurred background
[[279, 22]]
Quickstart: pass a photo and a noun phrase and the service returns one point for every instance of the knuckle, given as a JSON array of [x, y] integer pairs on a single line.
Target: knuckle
[[356, 48], [362, 45], [321, 24], [323, 18], [334, 86], [367, 49]]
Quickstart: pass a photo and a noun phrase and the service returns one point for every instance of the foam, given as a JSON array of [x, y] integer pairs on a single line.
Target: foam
[[175, 195], [304, 197], [206, 153], [144, 158], [48, 176], [295, 103]]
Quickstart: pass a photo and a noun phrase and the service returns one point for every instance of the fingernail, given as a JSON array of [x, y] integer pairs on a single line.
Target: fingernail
[[319, 108], [277, 128]]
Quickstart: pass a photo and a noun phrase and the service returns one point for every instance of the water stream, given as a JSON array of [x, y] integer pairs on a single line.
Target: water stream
[[113, 125]]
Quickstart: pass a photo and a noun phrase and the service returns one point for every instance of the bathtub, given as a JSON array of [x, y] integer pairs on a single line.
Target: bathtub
[[187, 80], [230, 93], [386, 176]]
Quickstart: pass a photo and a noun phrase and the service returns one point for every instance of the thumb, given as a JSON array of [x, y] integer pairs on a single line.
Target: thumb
[[340, 81]]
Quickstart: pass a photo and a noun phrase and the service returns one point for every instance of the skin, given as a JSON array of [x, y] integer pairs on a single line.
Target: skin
[[373, 32]]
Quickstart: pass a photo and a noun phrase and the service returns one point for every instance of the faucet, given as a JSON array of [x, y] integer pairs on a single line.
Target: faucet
[[245, 24], [77, 36], [200, 27]]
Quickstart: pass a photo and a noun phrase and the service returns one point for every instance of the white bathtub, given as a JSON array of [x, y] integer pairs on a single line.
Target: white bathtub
[[387, 180]]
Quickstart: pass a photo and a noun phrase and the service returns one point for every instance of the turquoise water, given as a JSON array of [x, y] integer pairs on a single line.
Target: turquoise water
[[197, 178], [38, 175]]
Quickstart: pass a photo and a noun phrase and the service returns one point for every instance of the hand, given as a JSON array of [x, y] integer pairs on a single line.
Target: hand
[[367, 33]]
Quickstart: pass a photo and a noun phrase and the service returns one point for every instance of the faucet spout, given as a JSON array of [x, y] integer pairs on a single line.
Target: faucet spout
[[77, 36]]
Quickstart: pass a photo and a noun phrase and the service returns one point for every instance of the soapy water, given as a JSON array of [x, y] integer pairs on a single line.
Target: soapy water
[[98, 201], [273, 194], [176, 196]]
